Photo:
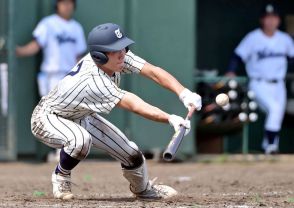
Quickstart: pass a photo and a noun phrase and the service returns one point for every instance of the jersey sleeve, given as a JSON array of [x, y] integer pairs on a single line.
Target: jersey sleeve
[[244, 48], [290, 47], [81, 42], [40, 33], [105, 93], [133, 63]]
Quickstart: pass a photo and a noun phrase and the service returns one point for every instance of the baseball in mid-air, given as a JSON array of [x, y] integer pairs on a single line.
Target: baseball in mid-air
[[222, 99]]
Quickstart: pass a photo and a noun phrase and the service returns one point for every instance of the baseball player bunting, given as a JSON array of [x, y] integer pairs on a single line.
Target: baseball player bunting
[[70, 116]]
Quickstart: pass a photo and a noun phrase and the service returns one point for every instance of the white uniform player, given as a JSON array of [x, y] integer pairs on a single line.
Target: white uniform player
[[264, 52], [70, 116], [62, 41]]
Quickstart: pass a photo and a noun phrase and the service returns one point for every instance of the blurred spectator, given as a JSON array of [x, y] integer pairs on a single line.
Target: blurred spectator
[[62, 41], [264, 51]]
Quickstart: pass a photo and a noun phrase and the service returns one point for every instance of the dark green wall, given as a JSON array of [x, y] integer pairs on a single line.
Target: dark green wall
[[25, 18], [164, 31]]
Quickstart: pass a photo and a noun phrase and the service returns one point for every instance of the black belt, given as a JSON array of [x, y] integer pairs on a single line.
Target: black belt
[[273, 81]]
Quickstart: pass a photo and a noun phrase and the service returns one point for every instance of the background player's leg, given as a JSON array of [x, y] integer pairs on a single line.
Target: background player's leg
[[272, 99], [276, 106], [43, 83]]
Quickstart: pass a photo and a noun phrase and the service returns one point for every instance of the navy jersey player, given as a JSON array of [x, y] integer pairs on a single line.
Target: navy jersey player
[[265, 52], [71, 118]]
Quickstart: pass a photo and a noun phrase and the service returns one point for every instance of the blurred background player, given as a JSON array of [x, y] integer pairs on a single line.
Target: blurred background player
[[62, 41], [264, 51]]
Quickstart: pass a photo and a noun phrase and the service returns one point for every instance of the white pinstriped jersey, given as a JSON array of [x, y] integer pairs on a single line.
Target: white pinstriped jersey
[[88, 89]]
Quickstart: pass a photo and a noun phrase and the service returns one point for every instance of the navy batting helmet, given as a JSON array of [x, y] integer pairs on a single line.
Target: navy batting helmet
[[108, 37]]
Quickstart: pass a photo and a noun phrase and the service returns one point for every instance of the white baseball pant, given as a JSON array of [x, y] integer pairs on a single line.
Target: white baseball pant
[[77, 137], [271, 97]]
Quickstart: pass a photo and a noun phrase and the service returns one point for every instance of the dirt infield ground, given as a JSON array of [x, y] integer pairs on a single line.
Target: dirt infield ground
[[100, 184]]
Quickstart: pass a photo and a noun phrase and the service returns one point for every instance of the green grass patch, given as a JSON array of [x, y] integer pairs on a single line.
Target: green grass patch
[[39, 193], [87, 177], [290, 200]]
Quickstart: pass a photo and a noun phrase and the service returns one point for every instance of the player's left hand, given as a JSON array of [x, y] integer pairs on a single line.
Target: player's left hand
[[191, 99]]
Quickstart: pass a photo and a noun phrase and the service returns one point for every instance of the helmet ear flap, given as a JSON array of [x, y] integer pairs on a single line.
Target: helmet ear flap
[[99, 57]]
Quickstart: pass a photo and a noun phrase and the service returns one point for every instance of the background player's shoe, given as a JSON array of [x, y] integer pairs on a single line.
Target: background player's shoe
[[156, 192], [61, 186], [264, 143], [271, 149]]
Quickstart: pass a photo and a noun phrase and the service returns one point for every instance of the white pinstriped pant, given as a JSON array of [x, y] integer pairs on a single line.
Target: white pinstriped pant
[[77, 137]]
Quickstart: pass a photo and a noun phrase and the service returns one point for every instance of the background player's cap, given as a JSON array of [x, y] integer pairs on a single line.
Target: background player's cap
[[269, 9], [108, 37]]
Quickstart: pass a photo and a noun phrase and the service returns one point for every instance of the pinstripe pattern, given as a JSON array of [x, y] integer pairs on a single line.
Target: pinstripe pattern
[[109, 138], [67, 117], [58, 132]]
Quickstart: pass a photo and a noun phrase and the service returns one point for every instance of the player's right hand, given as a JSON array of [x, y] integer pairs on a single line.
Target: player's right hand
[[177, 121]]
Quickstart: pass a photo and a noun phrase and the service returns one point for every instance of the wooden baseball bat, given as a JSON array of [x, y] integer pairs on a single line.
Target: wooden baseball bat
[[176, 140]]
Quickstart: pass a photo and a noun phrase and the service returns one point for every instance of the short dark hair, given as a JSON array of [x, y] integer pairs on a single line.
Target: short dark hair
[[56, 2]]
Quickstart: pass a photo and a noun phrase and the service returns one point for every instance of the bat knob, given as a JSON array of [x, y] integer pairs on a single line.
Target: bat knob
[[167, 156]]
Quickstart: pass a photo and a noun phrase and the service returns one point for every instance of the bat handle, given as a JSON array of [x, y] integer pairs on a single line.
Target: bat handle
[[176, 140], [190, 113]]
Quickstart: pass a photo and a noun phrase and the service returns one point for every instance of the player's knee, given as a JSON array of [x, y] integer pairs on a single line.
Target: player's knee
[[136, 157]]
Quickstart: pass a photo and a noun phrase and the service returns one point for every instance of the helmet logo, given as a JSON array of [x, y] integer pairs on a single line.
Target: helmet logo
[[269, 8], [118, 33]]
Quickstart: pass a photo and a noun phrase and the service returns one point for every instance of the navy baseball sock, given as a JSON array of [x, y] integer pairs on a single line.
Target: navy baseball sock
[[271, 135], [66, 163]]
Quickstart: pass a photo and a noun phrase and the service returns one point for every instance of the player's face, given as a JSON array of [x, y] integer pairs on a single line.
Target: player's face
[[116, 60], [65, 8], [271, 22]]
